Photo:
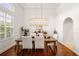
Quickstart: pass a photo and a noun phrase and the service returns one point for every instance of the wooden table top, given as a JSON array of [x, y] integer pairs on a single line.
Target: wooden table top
[[51, 39]]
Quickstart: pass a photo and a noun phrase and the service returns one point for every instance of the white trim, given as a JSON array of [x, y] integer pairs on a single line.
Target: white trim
[[5, 49], [69, 48]]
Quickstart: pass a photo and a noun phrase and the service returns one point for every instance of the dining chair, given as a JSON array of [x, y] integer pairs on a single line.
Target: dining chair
[[39, 42], [27, 43], [53, 47]]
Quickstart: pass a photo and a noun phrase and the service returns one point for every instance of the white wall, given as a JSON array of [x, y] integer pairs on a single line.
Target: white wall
[[18, 22], [69, 10], [36, 13]]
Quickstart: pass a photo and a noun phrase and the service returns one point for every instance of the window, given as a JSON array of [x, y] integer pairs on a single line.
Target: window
[[8, 25], [6, 20], [2, 25]]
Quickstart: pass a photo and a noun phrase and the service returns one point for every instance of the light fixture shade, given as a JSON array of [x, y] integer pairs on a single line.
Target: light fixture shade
[[39, 22]]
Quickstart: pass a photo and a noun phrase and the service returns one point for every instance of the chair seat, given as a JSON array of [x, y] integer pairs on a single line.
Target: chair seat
[[50, 44]]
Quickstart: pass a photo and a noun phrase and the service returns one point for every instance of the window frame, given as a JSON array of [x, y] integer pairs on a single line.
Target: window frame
[[7, 12]]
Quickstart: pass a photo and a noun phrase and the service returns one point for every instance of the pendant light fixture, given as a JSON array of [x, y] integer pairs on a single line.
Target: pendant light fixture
[[41, 24], [41, 10]]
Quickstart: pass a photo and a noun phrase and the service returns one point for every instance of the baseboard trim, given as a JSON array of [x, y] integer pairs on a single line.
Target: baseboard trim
[[2, 51], [68, 48]]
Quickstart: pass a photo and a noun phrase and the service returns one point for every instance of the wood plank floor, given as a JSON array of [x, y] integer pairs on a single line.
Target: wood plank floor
[[61, 51]]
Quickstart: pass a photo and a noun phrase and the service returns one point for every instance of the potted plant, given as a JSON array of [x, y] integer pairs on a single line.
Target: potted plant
[[55, 32], [45, 34], [22, 31], [26, 32]]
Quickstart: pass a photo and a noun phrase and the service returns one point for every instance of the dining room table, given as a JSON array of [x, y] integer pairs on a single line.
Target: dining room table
[[18, 41]]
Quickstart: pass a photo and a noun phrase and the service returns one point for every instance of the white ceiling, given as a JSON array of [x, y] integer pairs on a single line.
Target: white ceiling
[[39, 5]]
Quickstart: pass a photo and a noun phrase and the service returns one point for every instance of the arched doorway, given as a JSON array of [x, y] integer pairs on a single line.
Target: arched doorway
[[68, 33]]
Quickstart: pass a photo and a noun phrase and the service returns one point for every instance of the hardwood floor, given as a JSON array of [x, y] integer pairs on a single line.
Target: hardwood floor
[[61, 51]]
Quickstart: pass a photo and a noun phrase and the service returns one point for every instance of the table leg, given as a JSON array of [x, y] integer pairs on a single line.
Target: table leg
[[55, 48]]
